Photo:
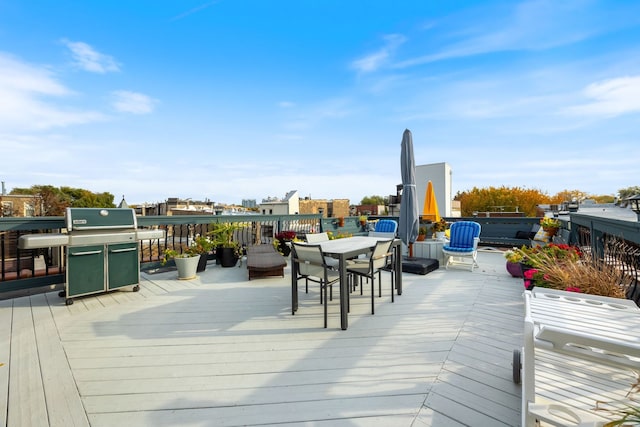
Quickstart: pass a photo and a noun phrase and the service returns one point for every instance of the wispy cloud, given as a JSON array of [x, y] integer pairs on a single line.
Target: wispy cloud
[[194, 10], [87, 58], [379, 58], [133, 102], [610, 98], [26, 93], [286, 104], [529, 25]]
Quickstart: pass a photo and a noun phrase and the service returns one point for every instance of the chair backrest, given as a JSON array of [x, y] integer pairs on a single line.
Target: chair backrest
[[309, 258], [387, 234], [380, 253], [387, 226], [317, 237], [464, 234]]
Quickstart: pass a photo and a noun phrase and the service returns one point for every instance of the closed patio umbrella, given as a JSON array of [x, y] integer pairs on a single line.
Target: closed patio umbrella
[[430, 210], [409, 214]]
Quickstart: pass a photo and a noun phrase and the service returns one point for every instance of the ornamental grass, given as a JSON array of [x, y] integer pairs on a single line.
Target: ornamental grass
[[567, 268], [588, 275]]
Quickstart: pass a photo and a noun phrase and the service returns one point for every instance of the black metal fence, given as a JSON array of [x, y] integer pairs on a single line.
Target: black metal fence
[[615, 241]]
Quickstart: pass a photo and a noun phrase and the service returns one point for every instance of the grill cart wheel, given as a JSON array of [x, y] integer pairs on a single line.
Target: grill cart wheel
[[517, 366], [69, 301], [136, 288]]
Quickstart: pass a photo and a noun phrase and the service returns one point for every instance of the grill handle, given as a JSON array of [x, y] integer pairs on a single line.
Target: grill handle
[[86, 253], [115, 251]]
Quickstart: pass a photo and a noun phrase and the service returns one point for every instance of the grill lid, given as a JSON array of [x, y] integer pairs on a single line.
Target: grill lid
[[100, 219]]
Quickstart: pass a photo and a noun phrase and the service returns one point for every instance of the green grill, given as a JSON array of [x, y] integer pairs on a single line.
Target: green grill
[[102, 250]]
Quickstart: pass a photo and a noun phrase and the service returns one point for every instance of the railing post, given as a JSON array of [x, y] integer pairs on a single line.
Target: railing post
[[597, 241]]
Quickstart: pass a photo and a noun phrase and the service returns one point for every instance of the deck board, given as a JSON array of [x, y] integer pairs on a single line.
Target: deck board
[[27, 403], [6, 324], [64, 406], [219, 350]]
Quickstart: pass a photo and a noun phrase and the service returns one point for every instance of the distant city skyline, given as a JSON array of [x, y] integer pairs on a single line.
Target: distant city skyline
[[231, 100]]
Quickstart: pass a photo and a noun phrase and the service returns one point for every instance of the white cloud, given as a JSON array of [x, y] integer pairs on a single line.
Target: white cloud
[[89, 59], [610, 98], [528, 25], [133, 102], [286, 104], [377, 59], [25, 91]]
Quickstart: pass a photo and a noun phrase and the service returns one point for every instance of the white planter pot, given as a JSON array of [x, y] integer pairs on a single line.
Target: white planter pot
[[187, 267], [440, 235]]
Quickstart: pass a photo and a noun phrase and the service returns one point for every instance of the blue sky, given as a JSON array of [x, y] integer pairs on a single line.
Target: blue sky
[[236, 99]]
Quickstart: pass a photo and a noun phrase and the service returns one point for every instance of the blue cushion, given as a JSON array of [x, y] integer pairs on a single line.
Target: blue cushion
[[462, 235], [387, 226], [457, 250]]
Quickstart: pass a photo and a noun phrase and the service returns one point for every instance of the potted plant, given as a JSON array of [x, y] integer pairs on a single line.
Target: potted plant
[[514, 259], [186, 262], [565, 267], [202, 245], [282, 240], [550, 225], [338, 235], [422, 233], [227, 250], [439, 228]]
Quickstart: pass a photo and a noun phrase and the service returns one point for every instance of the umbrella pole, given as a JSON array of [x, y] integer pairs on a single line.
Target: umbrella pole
[[410, 250]]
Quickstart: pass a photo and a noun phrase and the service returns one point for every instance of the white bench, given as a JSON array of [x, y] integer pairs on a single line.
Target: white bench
[[578, 350]]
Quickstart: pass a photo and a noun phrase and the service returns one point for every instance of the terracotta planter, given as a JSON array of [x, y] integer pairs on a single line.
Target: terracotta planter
[[421, 237]]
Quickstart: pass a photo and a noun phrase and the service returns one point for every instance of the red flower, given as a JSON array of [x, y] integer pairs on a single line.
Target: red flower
[[286, 235]]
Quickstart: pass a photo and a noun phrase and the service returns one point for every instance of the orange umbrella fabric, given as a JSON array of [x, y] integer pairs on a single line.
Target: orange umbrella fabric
[[430, 210]]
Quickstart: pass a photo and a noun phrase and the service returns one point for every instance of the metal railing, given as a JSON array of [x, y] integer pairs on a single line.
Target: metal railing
[[615, 241], [24, 269]]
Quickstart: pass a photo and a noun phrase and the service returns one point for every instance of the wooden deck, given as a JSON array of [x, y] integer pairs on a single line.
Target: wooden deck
[[222, 351]]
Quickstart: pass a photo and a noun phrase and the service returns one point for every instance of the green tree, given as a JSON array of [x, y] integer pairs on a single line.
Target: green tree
[[625, 193], [606, 198], [374, 200], [54, 200]]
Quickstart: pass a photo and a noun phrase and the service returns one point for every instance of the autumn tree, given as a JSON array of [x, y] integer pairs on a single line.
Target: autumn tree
[[506, 199], [569, 195]]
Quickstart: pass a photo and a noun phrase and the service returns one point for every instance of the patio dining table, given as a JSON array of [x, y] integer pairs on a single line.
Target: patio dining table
[[343, 250]]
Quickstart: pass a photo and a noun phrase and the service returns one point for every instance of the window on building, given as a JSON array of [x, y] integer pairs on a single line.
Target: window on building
[[7, 209], [29, 210]]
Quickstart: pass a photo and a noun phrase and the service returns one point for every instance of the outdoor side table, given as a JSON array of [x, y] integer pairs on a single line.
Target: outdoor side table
[[429, 248]]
